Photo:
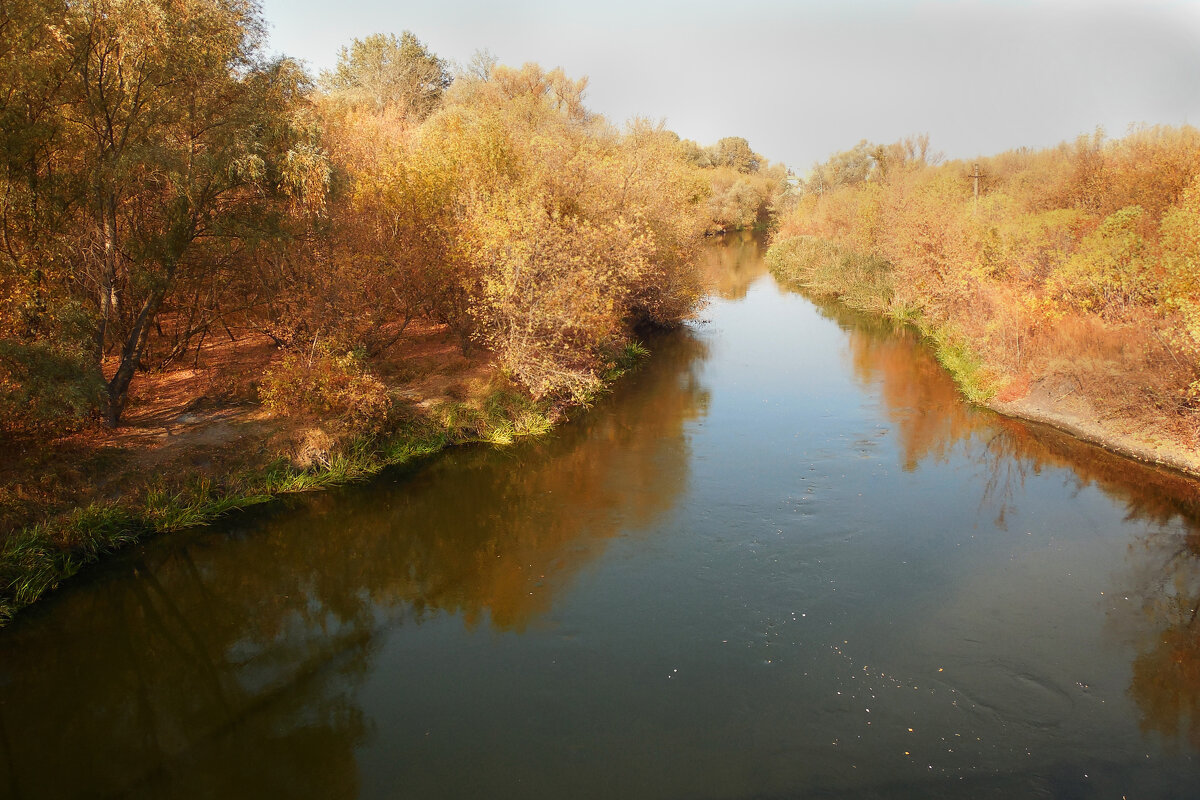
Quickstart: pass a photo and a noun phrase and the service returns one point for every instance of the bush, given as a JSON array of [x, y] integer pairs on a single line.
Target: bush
[[1109, 270], [825, 268], [323, 383], [49, 383]]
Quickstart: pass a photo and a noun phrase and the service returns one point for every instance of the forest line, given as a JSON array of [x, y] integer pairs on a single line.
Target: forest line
[[402, 253], [165, 182]]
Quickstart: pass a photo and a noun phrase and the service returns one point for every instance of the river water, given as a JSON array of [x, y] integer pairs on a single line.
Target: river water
[[782, 559]]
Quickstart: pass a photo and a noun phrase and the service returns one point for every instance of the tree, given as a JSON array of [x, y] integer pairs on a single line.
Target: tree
[[47, 369], [847, 168], [385, 71], [176, 124], [480, 67], [566, 233], [734, 151], [551, 90]]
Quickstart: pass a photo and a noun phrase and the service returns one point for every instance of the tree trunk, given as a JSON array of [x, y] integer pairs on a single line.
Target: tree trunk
[[108, 269], [131, 352]]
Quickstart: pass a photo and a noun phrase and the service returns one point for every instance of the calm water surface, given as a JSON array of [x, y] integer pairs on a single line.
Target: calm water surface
[[781, 560]]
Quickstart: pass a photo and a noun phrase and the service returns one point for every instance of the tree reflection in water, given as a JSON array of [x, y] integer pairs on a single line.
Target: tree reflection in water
[[730, 268], [229, 664], [1166, 672], [931, 422], [239, 663]]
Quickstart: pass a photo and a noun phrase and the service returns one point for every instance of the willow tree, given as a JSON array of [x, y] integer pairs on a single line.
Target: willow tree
[[176, 124], [567, 233], [387, 71]]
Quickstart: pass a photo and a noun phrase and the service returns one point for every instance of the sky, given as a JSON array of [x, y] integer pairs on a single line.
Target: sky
[[802, 80]]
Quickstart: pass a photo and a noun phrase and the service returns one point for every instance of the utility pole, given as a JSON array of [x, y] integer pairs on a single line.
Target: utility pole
[[976, 176]]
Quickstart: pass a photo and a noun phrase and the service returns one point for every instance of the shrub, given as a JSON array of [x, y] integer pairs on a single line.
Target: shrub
[[1109, 270], [49, 382], [861, 281], [323, 383]]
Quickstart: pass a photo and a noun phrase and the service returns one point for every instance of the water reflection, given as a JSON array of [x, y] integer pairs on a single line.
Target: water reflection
[[733, 264], [158, 672], [230, 664], [931, 423], [1166, 673], [495, 535], [688, 630]]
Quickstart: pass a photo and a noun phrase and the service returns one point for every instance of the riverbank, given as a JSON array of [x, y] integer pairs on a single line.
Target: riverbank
[[185, 459], [1042, 406], [1057, 396]]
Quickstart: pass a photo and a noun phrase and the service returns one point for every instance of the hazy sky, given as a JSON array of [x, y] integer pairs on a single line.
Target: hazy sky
[[803, 79]]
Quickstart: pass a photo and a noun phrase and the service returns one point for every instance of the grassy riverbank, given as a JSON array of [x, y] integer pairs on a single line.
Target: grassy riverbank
[[37, 558], [866, 283]]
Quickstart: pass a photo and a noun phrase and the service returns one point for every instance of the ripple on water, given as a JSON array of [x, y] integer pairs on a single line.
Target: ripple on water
[[1012, 693]]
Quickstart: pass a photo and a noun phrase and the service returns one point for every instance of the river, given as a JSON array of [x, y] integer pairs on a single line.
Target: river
[[782, 559]]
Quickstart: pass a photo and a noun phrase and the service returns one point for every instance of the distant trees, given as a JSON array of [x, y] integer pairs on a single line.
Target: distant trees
[[744, 186], [732, 151], [735, 152], [870, 162]]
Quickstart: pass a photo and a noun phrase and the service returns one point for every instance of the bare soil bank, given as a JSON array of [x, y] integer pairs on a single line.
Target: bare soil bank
[[1055, 401]]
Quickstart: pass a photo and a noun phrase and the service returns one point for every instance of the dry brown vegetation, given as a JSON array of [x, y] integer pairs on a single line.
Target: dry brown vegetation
[[1067, 290]]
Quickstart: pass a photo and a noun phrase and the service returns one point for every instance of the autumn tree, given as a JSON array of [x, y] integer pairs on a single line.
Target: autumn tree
[[47, 364], [567, 232], [479, 67], [161, 178], [384, 70], [176, 122], [735, 152], [381, 255]]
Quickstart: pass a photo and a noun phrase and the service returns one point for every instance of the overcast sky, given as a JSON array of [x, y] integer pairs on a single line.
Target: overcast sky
[[801, 80]]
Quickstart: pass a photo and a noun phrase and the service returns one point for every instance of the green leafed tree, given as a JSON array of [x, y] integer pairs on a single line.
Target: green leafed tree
[[176, 125], [388, 71]]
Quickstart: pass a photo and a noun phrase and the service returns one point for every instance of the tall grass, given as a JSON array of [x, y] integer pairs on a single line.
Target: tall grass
[[33, 561], [826, 269]]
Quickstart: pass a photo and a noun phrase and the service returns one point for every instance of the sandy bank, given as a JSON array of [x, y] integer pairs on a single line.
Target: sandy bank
[[1054, 401]]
